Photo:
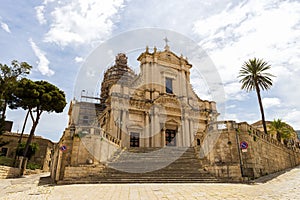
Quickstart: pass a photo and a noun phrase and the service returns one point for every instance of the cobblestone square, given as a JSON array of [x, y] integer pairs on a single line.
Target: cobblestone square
[[284, 186]]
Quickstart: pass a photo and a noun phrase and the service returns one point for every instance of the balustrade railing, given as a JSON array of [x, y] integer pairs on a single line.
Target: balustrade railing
[[81, 131]]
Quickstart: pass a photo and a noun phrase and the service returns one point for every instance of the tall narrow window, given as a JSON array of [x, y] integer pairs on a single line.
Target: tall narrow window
[[169, 87], [85, 120], [134, 139]]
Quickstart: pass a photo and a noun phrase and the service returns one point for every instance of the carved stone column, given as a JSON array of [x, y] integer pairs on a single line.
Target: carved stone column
[[163, 137], [124, 119], [147, 130], [186, 136], [192, 134]]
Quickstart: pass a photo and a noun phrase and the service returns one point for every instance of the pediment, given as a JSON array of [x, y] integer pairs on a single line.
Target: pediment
[[172, 122], [167, 101], [169, 56], [164, 57]]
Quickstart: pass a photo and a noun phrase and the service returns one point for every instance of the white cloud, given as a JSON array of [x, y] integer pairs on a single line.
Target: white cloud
[[257, 28], [78, 59], [5, 27], [231, 116], [48, 1], [40, 14], [233, 91], [293, 118], [82, 21], [231, 106], [270, 102], [246, 30], [43, 63]]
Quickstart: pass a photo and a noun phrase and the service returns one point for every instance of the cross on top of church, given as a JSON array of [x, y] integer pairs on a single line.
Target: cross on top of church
[[166, 40], [167, 46]]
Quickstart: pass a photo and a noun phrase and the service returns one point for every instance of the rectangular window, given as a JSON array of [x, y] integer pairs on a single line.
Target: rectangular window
[[3, 151], [170, 137], [169, 87], [85, 120], [134, 139]]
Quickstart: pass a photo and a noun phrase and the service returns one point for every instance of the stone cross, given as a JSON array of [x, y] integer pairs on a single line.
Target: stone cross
[[166, 40], [167, 46]]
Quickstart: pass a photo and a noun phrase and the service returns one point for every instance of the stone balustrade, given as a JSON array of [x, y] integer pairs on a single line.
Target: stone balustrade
[[85, 130], [222, 125], [244, 127]]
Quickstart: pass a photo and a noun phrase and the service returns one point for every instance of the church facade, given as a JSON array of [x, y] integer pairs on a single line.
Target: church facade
[[156, 108]]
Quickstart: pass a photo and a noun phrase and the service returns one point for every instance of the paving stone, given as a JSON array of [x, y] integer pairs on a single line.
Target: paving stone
[[285, 186]]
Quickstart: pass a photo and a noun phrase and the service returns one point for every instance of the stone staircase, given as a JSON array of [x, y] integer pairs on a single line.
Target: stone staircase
[[152, 165]]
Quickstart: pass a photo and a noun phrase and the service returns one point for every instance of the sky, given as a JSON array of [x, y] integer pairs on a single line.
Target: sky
[[56, 37]]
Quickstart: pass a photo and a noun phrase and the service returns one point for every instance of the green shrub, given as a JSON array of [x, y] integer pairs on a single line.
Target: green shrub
[[33, 147], [6, 161], [33, 166]]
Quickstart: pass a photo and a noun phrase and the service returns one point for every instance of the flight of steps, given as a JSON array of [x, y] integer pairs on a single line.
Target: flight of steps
[[152, 165]]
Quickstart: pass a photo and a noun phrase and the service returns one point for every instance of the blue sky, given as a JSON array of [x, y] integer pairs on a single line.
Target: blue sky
[[55, 37]]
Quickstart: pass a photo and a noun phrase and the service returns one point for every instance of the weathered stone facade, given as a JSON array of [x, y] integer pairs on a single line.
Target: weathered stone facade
[[42, 157], [156, 109], [264, 154]]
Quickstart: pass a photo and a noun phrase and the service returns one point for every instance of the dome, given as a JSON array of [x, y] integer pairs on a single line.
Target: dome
[[119, 72]]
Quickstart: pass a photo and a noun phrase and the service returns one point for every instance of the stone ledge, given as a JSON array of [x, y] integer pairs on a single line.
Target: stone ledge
[[9, 172]]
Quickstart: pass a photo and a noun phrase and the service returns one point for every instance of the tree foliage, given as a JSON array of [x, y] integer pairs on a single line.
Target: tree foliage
[[281, 129], [33, 148], [9, 76], [37, 97], [254, 77], [253, 74]]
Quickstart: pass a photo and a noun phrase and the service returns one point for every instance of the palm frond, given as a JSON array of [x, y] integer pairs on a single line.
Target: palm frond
[[254, 72]]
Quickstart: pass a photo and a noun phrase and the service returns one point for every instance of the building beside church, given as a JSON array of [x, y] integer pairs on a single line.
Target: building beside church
[[41, 159], [157, 109]]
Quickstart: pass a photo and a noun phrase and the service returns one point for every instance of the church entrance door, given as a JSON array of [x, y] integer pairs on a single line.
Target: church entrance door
[[134, 139], [170, 137]]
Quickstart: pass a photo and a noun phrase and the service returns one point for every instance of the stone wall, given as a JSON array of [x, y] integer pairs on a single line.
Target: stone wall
[[82, 154], [41, 157], [221, 154], [72, 173], [264, 154], [91, 149], [9, 172]]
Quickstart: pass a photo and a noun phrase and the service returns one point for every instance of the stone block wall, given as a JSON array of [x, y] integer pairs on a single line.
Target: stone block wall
[[78, 172], [264, 154], [95, 148], [221, 154], [84, 155], [9, 172]]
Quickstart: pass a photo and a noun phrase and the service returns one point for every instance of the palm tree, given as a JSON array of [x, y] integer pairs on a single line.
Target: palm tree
[[254, 77], [281, 129]]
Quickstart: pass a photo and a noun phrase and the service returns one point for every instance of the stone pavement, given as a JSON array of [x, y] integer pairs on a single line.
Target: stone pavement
[[285, 186]]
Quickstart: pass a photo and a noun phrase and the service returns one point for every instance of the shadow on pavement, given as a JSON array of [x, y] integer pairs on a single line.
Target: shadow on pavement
[[269, 177], [45, 180]]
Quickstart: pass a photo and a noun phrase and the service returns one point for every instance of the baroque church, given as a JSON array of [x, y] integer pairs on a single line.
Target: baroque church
[[154, 110]]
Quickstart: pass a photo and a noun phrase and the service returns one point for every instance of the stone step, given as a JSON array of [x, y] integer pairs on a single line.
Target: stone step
[[185, 169], [158, 172], [140, 181]]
